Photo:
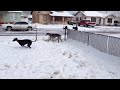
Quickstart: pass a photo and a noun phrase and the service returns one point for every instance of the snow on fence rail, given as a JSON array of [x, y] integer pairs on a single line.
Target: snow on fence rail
[[104, 43]]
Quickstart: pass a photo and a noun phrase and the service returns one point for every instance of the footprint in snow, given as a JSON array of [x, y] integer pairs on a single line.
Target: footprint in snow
[[7, 66]]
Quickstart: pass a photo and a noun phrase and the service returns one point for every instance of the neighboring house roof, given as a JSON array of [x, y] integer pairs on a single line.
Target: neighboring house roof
[[27, 12], [94, 14], [73, 12], [62, 13], [16, 11]]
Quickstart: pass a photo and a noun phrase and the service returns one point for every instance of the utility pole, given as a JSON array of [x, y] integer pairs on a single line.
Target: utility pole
[[36, 32], [65, 36]]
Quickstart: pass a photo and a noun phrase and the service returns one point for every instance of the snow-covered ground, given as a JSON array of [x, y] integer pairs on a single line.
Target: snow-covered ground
[[60, 27], [87, 29], [46, 60], [105, 30]]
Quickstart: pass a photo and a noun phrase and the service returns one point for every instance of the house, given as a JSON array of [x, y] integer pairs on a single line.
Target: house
[[94, 16], [10, 16], [51, 17], [26, 18]]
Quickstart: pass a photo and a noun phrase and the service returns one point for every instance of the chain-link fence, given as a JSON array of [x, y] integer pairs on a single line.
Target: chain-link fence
[[104, 43]]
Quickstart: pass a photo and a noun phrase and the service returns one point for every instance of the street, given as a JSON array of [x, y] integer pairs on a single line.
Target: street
[[28, 33]]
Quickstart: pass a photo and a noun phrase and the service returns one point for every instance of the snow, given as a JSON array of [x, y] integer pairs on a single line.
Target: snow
[[86, 29], [60, 27], [95, 14], [16, 11], [51, 60], [29, 16], [62, 13], [108, 29]]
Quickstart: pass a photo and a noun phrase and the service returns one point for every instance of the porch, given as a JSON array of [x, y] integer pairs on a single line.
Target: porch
[[60, 20]]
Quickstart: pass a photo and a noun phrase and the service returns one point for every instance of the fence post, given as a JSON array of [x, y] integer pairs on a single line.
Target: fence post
[[107, 43], [88, 40], [65, 34]]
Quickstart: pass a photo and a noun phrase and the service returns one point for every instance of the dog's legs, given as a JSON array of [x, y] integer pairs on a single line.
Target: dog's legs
[[29, 45], [21, 45], [60, 39], [49, 39], [52, 39]]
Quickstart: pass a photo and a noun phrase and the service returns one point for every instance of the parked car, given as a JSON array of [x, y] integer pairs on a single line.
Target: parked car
[[86, 23], [71, 22], [18, 26], [116, 23]]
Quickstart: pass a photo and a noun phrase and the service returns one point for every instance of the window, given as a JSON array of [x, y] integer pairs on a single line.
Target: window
[[21, 23], [14, 16], [58, 18], [80, 19], [93, 19], [77, 18], [45, 18], [10, 16], [109, 20]]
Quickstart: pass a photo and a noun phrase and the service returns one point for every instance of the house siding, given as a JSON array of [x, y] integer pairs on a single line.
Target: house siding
[[42, 21], [79, 15], [106, 19], [98, 21], [101, 21], [35, 17], [8, 17]]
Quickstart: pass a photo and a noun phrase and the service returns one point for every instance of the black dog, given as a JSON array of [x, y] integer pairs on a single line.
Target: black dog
[[52, 36], [23, 42]]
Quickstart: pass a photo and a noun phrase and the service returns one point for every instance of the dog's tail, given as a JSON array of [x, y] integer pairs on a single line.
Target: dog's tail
[[35, 40], [35, 37]]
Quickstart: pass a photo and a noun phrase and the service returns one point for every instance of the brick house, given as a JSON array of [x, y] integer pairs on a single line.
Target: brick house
[[51, 17]]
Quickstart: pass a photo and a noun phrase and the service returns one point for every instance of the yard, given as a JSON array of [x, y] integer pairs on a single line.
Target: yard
[[51, 60]]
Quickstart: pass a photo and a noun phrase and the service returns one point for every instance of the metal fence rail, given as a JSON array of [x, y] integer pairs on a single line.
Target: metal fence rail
[[104, 43], [114, 46]]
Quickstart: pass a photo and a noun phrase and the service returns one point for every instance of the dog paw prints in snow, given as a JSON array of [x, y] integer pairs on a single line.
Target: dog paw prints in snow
[[80, 63], [69, 54], [55, 74], [5, 67], [113, 74]]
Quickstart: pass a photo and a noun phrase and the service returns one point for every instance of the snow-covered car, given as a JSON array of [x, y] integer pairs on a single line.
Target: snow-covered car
[[18, 26]]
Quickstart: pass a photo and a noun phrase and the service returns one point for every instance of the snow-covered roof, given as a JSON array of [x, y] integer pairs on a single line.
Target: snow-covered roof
[[62, 13], [29, 16], [16, 11], [24, 15], [73, 12], [92, 13]]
